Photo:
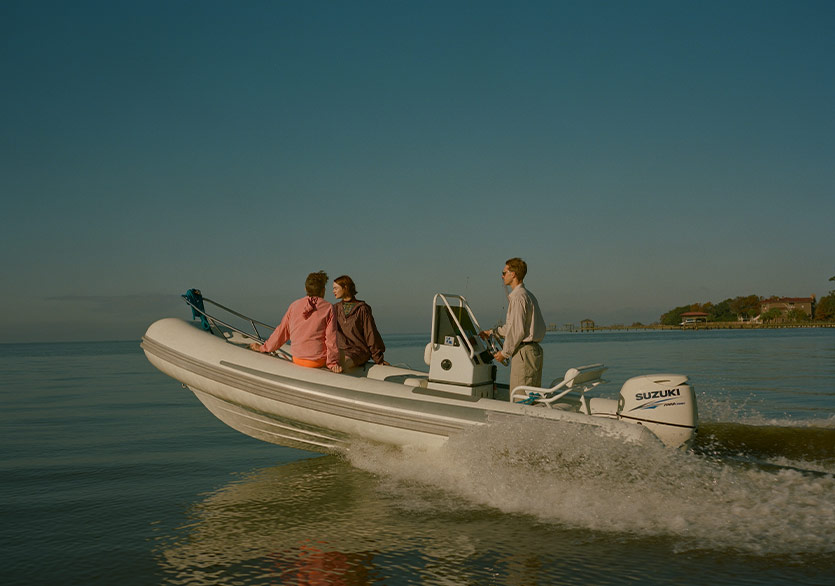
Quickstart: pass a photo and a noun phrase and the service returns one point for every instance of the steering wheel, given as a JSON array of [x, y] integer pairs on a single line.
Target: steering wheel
[[494, 344]]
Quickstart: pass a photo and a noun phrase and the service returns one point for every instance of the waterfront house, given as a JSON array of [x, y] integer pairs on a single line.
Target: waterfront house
[[787, 304], [693, 317]]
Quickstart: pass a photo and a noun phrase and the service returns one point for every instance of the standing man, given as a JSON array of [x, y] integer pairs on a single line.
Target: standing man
[[523, 330]]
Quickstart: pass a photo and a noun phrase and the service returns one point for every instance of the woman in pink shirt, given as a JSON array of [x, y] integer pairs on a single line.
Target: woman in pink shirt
[[310, 325]]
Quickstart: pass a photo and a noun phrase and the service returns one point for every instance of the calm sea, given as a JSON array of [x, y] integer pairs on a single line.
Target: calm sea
[[111, 473]]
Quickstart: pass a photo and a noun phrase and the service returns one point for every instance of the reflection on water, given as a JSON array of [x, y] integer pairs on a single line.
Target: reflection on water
[[322, 521], [515, 517]]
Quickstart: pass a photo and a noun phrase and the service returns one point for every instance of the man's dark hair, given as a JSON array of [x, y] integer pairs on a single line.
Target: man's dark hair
[[315, 284]]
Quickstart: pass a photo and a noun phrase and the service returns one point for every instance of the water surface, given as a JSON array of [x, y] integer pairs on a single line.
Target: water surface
[[113, 473]]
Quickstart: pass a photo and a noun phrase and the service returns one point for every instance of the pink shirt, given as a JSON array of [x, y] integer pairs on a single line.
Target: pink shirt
[[310, 325]]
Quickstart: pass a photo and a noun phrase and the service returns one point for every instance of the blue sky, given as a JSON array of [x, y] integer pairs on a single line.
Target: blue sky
[[639, 156]]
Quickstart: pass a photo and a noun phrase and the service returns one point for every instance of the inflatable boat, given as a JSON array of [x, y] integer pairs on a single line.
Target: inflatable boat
[[268, 397]]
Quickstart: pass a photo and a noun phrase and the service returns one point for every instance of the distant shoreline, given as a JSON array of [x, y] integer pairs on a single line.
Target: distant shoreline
[[702, 326]]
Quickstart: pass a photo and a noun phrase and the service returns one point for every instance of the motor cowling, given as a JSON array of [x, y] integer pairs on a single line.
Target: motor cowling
[[665, 403]]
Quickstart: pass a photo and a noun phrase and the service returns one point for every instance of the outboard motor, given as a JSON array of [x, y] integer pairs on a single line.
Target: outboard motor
[[664, 403]]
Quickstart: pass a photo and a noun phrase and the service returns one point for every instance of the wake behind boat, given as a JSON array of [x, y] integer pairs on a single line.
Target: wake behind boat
[[270, 398]]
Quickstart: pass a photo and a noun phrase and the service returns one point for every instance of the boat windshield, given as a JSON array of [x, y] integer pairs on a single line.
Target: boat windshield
[[445, 324]]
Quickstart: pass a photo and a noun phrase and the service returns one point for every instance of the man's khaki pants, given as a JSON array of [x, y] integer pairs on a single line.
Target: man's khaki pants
[[526, 366]]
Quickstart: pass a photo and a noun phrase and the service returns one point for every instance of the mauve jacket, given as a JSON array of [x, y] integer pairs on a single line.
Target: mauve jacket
[[358, 336]]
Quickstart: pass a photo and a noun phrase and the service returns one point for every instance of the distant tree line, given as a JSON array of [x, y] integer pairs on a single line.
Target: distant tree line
[[825, 310], [748, 307]]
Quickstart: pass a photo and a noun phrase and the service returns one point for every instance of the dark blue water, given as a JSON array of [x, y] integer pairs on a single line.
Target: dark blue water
[[113, 473]]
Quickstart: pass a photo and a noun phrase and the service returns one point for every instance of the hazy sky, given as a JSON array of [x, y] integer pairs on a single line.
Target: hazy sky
[[639, 155]]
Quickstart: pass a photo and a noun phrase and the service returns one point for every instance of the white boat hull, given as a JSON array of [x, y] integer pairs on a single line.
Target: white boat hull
[[279, 402]]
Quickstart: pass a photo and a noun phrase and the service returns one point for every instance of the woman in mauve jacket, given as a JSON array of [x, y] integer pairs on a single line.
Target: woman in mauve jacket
[[358, 337]]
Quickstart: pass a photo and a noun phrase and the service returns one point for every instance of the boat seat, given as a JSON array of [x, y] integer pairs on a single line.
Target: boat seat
[[603, 407], [395, 374], [417, 381], [586, 377]]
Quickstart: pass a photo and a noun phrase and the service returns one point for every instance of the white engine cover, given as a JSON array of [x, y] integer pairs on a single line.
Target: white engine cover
[[659, 399]]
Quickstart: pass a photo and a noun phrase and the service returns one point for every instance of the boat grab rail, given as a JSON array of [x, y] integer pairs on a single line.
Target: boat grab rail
[[214, 321], [462, 302], [589, 376]]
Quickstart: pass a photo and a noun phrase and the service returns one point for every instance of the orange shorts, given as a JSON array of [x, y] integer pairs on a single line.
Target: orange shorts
[[309, 363]]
